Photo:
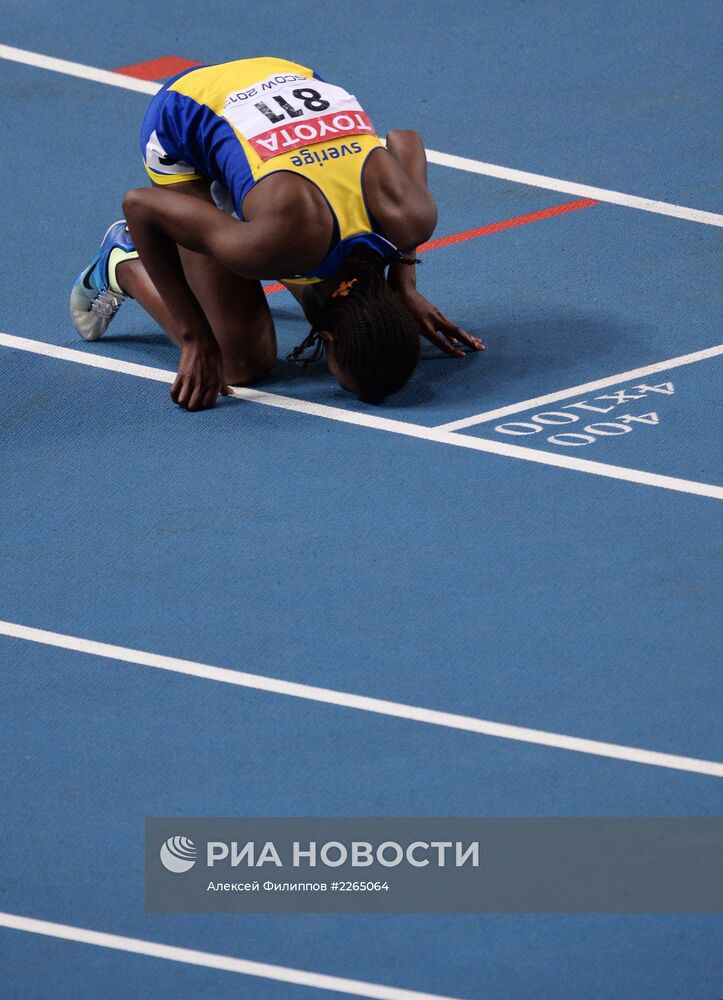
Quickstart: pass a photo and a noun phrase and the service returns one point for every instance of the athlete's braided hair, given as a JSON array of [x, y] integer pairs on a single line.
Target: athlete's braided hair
[[376, 340]]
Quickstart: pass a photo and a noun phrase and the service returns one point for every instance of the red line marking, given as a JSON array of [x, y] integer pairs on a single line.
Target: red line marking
[[494, 227], [498, 227], [157, 69]]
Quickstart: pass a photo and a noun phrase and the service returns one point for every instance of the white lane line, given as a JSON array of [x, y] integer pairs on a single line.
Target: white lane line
[[78, 70], [210, 960], [361, 703], [570, 187], [381, 423], [434, 156], [578, 390]]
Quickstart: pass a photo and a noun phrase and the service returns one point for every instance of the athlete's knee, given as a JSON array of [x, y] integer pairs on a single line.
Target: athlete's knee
[[248, 375], [131, 199], [250, 370], [134, 202]]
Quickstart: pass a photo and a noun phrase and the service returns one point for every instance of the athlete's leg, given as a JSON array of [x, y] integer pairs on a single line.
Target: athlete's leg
[[236, 308], [133, 278]]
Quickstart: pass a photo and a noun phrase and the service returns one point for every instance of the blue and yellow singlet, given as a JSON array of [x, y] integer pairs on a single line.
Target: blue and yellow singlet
[[237, 122]]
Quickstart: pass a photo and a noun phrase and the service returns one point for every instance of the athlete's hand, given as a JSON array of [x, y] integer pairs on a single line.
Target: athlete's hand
[[200, 376], [436, 328]]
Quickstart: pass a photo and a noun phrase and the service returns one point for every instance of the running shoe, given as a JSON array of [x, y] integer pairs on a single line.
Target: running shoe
[[96, 297]]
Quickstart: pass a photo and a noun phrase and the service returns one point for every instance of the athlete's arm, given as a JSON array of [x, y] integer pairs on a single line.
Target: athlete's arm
[[159, 221], [407, 149], [398, 195], [259, 249]]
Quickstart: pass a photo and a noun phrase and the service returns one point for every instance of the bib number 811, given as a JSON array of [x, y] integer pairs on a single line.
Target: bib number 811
[[310, 98]]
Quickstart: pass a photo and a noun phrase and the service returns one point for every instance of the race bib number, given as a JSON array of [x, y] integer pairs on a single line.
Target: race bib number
[[286, 111]]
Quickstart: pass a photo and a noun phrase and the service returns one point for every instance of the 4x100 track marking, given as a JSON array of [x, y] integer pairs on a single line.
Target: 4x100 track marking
[[378, 423], [440, 435], [585, 387]]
